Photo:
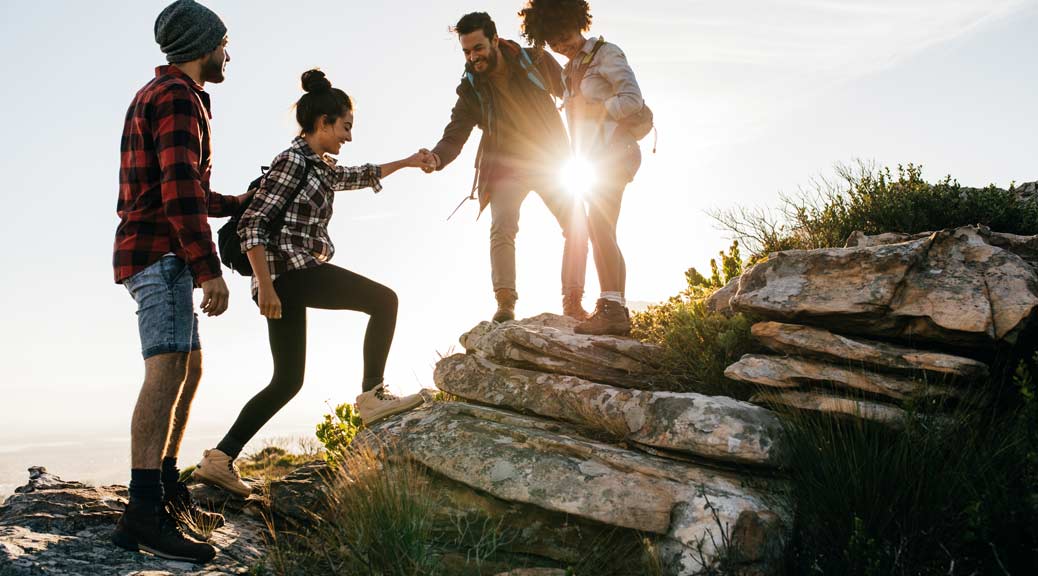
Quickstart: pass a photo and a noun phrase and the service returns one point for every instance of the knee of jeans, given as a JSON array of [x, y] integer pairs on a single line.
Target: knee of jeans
[[503, 232]]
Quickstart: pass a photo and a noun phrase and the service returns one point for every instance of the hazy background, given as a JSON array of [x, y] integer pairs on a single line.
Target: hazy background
[[752, 98]]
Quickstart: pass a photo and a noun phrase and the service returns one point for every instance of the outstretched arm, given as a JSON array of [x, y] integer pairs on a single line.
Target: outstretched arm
[[423, 159], [464, 117]]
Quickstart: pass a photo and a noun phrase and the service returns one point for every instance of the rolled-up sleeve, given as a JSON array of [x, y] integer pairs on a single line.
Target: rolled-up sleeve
[[272, 197], [357, 177], [627, 96]]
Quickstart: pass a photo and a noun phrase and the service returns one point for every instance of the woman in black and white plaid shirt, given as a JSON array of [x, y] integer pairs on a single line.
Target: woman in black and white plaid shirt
[[292, 273]]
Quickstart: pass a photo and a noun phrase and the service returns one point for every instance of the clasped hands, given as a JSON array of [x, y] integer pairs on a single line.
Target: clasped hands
[[425, 159]]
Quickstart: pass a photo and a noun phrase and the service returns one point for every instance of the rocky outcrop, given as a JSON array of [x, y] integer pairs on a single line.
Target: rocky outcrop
[[51, 526], [563, 438], [822, 344], [715, 428], [546, 343], [823, 403], [793, 372], [888, 319], [1027, 191], [548, 466], [952, 288]]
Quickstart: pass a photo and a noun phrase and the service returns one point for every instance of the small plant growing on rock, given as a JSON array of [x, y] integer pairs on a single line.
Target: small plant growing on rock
[[699, 344], [338, 430]]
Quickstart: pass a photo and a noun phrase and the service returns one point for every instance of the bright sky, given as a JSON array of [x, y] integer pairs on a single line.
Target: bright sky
[[752, 98]]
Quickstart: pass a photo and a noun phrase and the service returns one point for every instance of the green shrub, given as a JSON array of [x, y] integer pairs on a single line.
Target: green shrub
[[379, 517], [876, 201], [698, 344], [944, 495], [272, 462], [338, 430]]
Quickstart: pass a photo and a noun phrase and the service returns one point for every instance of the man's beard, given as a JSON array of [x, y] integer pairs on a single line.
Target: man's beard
[[212, 70], [492, 62]]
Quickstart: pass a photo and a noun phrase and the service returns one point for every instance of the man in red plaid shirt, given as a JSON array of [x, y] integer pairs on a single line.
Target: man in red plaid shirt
[[163, 250]]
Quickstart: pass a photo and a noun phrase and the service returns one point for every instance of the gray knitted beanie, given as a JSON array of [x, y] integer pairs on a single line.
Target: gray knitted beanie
[[186, 30]]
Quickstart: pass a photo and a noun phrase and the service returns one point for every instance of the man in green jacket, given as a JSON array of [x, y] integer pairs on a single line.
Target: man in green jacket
[[509, 92]]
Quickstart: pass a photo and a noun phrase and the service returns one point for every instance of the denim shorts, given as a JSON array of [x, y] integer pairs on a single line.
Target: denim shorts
[[166, 316]]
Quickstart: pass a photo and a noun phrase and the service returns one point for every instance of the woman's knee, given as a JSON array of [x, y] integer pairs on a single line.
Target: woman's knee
[[389, 301], [285, 386]]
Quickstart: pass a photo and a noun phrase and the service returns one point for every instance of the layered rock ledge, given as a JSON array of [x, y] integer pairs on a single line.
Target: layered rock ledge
[[886, 320]]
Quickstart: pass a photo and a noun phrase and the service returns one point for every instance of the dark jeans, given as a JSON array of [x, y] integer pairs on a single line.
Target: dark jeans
[[325, 287]]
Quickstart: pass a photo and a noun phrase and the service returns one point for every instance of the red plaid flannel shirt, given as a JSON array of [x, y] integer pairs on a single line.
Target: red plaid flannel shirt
[[164, 196]]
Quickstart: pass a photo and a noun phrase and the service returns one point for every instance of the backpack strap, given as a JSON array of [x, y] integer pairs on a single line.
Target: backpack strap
[[582, 67], [532, 73]]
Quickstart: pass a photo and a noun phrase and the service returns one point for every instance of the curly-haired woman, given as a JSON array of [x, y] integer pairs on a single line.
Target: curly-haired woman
[[601, 95]]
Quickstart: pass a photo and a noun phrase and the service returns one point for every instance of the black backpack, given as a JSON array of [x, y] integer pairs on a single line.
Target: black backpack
[[228, 242]]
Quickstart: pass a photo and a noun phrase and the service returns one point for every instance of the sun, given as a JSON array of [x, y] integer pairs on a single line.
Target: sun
[[578, 177]]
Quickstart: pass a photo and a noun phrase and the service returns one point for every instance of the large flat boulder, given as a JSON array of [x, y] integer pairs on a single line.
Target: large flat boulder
[[548, 465], [844, 351], [713, 427], [547, 343], [952, 288], [302, 497]]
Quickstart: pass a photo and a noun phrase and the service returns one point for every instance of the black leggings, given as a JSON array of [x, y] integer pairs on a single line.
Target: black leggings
[[329, 288]]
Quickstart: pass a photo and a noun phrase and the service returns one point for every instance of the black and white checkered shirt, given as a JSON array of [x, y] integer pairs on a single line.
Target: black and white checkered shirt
[[302, 241]]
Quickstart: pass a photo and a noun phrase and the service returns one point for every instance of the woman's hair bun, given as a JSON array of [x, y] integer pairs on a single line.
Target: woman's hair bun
[[315, 81]]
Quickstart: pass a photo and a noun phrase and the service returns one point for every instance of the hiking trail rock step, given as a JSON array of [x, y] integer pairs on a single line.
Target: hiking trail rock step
[[712, 427], [54, 527], [547, 343]]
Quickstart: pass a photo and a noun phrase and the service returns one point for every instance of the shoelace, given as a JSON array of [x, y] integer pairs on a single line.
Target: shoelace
[[168, 524], [382, 394], [234, 469]]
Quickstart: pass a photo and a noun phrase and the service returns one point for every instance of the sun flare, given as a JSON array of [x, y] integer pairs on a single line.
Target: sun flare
[[578, 177]]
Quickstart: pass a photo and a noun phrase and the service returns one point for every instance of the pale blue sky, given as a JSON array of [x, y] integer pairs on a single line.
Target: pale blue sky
[[752, 98]]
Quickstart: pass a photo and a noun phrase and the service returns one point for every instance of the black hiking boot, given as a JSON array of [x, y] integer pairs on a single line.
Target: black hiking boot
[[149, 528], [610, 318], [182, 506]]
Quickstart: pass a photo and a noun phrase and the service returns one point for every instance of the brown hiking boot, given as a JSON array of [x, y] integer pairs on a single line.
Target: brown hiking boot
[[505, 304], [609, 318], [572, 306], [150, 528]]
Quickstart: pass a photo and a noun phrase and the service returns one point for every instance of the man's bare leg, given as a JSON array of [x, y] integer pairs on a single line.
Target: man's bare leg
[[164, 376], [183, 405]]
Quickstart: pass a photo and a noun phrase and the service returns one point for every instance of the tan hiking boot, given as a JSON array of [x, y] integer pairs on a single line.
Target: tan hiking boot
[[218, 469], [610, 318], [573, 307], [505, 304], [377, 403]]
